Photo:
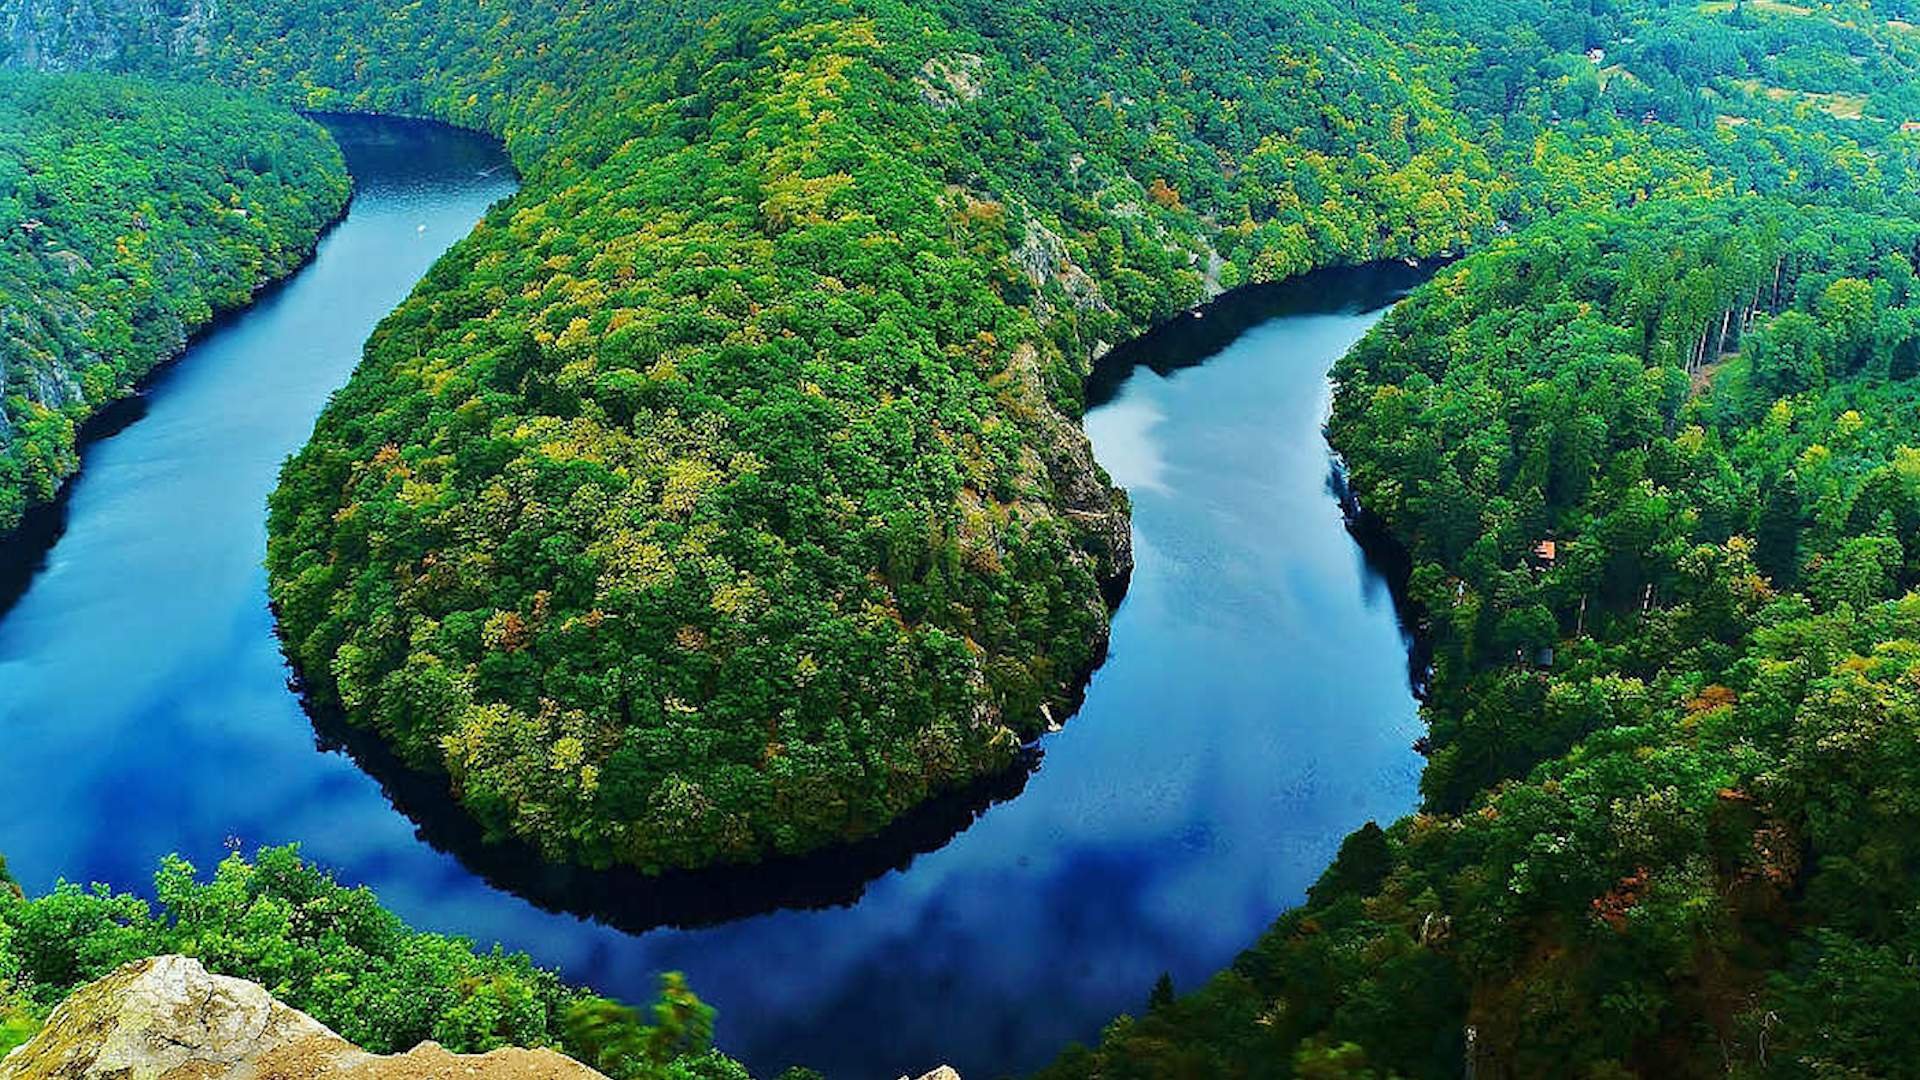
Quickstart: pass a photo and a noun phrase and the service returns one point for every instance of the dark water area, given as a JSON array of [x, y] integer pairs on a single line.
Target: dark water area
[[1254, 709]]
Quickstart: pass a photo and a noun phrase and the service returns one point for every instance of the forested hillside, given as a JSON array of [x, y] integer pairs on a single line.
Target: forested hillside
[[335, 953], [1655, 468], [130, 215], [721, 495]]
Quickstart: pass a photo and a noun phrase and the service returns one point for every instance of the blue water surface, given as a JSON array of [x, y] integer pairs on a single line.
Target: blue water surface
[[1254, 709]]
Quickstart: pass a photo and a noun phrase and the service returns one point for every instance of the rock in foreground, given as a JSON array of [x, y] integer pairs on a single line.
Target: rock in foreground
[[167, 1018]]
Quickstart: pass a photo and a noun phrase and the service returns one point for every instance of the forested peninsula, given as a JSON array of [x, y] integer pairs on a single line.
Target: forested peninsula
[[130, 215], [721, 496]]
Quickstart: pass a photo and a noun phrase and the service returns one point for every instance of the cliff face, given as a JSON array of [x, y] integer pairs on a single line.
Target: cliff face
[[40, 35], [167, 1018]]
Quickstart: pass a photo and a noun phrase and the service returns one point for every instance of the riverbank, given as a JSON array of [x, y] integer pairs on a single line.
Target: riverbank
[[1252, 710], [637, 902], [24, 548], [120, 255]]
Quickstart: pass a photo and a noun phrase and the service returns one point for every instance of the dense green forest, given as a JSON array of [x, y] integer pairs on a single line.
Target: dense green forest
[[721, 495], [1666, 821], [130, 215], [336, 954]]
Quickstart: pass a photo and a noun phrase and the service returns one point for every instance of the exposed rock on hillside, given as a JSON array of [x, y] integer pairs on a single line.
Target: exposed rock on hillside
[[57, 36], [947, 81], [167, 1018]]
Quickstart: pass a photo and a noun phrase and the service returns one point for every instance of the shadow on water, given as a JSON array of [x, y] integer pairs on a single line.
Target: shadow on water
[[635, 902], [1193, 337], [631, 901], [1395, 566], [23, 552], [387, 147]]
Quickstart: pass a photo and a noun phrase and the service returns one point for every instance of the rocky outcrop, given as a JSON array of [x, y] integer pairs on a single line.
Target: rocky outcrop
[[1086, 495], [167, 1018], [1044, 258], [46, 36], [952, 79]]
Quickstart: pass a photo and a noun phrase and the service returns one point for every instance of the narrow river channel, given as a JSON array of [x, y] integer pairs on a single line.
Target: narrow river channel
[[1254, 709]]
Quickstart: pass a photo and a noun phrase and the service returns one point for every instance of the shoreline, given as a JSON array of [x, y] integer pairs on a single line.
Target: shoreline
[[839, 874], [24, 547], [833, 875]]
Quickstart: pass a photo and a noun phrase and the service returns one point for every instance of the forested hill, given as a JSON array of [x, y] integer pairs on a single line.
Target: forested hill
[[722, 495], [1656, 471], [131, 214]]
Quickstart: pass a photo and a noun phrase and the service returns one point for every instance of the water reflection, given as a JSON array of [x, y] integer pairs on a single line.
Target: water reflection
[[636, 902], [1254, 709]]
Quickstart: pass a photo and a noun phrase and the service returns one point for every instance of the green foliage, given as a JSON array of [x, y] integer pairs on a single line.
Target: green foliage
[[611, 1037], [130, 215], [721, 495], [1677, 845], [336, 954], [1685, 844]]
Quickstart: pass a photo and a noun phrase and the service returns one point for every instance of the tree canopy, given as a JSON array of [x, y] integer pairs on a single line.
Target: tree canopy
[[1647, 458], [333, 952], [721, 495], [130, 215]]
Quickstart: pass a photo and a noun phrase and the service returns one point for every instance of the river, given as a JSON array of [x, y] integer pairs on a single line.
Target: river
[[1254, 708]]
